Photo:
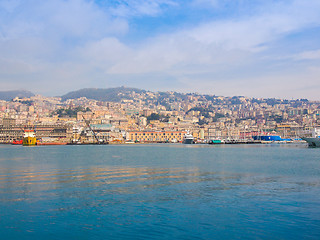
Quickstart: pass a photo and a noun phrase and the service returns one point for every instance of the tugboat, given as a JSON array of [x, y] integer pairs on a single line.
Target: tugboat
[[29, 138], [188, 138], [313, 141]]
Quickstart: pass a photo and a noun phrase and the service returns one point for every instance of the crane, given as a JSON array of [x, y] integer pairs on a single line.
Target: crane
[[87, 122]]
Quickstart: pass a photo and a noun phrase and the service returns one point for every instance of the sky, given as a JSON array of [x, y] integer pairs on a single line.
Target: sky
[[253, 48]]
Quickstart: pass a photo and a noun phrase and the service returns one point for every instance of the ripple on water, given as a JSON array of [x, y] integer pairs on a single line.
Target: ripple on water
[[176, 192]]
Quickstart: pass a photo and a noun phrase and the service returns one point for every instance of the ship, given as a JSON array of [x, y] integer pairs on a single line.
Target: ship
[[50, 143], [216, 141], [29, 138], [17, 142], [314, 140], [188, 138]]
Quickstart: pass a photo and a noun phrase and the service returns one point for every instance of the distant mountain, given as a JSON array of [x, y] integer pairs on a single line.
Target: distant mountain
[[9, 95], [103, 94]]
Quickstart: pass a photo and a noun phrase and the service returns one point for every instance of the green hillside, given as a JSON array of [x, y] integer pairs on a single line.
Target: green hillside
[[9, 95], [100, 94]]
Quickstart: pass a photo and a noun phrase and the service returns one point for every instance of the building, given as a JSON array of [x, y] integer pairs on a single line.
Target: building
[[155, 136], [8, 122], [8, 133]]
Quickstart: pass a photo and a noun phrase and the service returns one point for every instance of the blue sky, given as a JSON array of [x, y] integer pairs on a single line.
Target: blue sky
[[253, 48]]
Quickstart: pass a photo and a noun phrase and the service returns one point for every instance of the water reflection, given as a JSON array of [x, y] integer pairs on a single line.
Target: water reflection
[[189, 182], [160, 192]]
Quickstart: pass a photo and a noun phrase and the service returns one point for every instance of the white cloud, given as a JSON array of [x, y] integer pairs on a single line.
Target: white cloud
[[59, 19], [253, 32], [76, 43], [215, 45], [15, 67], [103, 53], [130, 8], [308, 55], [42, 33], [282, 84]]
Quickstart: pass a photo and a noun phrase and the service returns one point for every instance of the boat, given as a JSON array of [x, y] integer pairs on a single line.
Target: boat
[[215, 141], [188, 138], [29, 138], [314, 140], [267, 138], [17, 142]]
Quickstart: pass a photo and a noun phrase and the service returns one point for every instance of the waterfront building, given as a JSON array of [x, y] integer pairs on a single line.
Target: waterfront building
[[8, 133], [156, 136]]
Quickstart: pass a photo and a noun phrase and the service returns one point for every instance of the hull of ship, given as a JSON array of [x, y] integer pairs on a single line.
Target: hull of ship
[[17, 142], [50, 143], [312, 142], [215, 142], [29, 141], [188, 141]]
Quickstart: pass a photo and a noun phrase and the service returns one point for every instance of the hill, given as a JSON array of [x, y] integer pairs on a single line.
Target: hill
[[9, 95], [103, 94]]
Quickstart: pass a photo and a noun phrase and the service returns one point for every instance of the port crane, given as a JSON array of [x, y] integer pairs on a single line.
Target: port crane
[[94, 134]]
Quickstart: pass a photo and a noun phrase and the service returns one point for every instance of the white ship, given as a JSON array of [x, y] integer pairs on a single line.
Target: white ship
[[313, 141], [188, 138]]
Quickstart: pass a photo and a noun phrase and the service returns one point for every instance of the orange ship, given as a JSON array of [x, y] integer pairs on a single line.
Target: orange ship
[[17, 142]]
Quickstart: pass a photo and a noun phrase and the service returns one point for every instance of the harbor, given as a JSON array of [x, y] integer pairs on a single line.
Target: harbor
[[145, 117], [193, 191], [159, 120], [29, 137]]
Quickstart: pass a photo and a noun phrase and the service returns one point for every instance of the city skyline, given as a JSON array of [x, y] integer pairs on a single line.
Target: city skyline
[[228, 48], [133, 112], [106, 93]]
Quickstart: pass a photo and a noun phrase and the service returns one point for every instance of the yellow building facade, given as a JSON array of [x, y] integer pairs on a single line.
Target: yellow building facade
[[156, 136]]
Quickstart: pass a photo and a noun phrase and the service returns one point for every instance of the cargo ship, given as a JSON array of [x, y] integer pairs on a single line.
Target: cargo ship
[[29, 138]]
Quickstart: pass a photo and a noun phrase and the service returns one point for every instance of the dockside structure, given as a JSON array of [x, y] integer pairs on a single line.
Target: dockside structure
[[8, 133]]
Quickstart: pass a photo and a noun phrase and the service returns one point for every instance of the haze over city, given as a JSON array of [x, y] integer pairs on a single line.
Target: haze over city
[[252, 48]]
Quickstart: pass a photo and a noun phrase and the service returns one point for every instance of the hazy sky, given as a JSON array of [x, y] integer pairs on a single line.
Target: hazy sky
[[259, 48]]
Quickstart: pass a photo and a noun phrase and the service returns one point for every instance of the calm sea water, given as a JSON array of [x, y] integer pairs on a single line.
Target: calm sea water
[[163, 191]]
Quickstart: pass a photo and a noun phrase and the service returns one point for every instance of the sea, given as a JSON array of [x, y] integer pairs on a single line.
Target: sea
[[160, 191]]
